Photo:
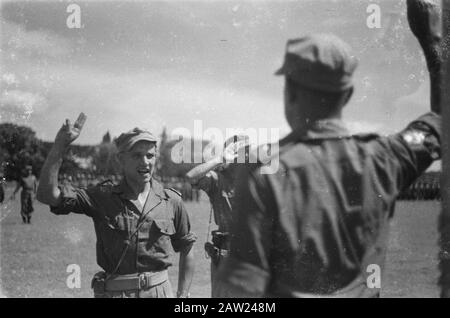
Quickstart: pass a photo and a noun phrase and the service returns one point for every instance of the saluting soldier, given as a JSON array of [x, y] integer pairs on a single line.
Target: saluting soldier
[[216, 177], [319, 226], [135, 221]]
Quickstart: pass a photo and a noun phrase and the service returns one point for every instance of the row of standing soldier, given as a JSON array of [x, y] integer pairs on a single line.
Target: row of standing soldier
[[421, 191]]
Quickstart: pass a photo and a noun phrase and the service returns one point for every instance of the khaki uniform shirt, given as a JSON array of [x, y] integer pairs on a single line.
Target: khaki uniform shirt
[[164, 221], [319, 226]]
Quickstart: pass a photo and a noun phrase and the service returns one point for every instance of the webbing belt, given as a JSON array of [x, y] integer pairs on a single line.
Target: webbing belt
[[135, 281]]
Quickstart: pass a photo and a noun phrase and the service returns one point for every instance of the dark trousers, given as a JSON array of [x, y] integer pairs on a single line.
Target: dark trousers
[[26, 205]]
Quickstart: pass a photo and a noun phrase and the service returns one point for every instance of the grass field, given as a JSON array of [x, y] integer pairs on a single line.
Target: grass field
[[34, 258]]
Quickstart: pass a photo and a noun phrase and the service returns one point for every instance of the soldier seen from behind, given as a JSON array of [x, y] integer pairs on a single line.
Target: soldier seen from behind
[[319, 226]]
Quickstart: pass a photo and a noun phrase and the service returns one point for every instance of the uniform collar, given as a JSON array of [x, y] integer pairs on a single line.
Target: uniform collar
[[155, 196], [320, 129], [124, 191]]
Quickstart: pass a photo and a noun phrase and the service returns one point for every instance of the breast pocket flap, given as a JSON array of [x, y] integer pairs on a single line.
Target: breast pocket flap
[[165, 226]]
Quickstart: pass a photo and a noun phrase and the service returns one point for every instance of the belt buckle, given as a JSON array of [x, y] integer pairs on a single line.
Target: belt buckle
[[143, 281]]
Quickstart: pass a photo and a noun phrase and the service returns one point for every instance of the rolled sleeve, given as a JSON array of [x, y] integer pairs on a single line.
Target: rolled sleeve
[[433, 121], [248, 267], [73, 200], [183, 236], [416, 147], [428, 128]]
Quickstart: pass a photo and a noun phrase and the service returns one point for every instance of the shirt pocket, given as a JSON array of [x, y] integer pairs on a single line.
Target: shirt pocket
[[117, 230], [165, 227], [159, 235]]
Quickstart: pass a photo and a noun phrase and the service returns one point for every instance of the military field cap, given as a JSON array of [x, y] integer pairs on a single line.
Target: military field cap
[[321, 62], [128, 139]]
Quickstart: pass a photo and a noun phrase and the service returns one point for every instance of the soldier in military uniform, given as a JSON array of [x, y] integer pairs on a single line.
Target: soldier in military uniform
[[216, 178], [28, 184], [319, 226], [135, 221]]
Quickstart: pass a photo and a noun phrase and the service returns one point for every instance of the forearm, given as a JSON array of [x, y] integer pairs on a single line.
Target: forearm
[[434, 64], [201, 170], [425, 19], [186, 271], [48, 191]]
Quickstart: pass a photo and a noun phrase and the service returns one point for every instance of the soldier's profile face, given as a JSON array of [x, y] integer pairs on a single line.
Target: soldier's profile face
[[138, 163]]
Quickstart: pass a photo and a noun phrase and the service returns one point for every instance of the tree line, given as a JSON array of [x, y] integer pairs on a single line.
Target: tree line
[[20, 147]]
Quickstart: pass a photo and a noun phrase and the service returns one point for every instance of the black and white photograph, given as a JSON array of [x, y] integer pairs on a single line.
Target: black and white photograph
[[226, 149]]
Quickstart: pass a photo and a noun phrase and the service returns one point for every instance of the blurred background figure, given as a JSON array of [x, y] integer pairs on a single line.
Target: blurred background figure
[[2, 189], [28, 183]]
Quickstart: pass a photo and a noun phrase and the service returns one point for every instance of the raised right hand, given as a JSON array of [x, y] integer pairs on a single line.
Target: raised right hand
[[67, 134]]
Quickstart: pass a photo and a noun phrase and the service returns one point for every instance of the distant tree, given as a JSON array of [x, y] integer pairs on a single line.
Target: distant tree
[[20, 147], [106, 138]]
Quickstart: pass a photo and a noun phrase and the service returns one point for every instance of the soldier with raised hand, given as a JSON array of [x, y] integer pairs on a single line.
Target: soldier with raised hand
[[216, 177], [319, 226], [135, 221]]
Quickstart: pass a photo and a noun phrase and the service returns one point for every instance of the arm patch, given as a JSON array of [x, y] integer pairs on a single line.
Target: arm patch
[[414, 137]]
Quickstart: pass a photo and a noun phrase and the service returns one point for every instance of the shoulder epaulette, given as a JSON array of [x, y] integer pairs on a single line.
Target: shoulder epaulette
[[175, 191]]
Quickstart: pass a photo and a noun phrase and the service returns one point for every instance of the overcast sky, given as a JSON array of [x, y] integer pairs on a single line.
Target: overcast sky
[[155, 64]]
